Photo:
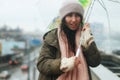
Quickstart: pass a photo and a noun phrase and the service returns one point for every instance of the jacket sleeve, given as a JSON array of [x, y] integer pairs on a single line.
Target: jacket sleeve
[[47, 63], [92, 55]]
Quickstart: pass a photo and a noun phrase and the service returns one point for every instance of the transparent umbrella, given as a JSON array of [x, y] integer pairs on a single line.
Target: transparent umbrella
[[103, 17]]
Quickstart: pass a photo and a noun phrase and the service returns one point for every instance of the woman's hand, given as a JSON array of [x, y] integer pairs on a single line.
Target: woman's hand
[[67, 64], [86, 26], [87, 37]]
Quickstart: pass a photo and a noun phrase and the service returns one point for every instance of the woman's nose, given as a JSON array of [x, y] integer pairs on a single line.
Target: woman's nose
[[73, 18]]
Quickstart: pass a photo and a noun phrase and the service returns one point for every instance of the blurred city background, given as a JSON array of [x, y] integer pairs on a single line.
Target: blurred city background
[[24, 22]]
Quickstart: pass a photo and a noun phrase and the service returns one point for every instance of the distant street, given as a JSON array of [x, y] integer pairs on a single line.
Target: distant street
[[16, 72]]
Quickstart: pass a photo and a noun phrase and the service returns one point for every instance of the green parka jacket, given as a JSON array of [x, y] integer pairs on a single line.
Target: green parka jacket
[[50, 57]]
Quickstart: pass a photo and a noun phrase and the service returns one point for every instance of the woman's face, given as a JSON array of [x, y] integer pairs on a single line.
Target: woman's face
[[73, 21]]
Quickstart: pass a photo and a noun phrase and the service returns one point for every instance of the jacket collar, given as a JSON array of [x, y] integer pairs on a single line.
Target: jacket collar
[[51, 38]]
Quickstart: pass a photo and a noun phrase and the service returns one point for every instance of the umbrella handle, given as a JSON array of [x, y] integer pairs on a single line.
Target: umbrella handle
[[79, 48], [78, 52]]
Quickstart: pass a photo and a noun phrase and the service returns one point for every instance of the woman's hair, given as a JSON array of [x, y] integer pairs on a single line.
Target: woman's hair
[[70, 34]]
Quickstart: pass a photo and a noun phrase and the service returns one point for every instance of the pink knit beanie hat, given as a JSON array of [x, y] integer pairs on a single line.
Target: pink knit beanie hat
[[70, 7]]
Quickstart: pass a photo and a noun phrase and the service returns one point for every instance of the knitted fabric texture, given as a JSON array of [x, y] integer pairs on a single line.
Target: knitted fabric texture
[[70, 7]]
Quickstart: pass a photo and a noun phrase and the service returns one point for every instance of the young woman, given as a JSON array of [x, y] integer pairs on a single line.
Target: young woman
[[57, 60]]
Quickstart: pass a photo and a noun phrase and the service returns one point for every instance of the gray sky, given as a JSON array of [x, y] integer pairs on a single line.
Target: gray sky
[[35, 15]]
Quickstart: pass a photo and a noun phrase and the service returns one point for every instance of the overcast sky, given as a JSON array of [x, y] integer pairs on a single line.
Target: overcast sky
[[36, 15]]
